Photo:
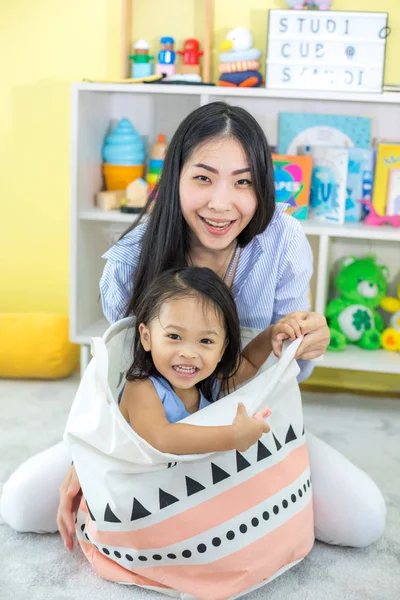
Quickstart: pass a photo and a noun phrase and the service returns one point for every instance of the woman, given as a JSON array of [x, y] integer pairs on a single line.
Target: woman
[[215, 208]]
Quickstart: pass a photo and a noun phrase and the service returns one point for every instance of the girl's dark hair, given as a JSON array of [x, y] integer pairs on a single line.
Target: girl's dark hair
[[165, 243], [184, 283]]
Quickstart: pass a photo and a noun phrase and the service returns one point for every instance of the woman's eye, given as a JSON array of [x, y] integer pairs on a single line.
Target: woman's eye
[[206, 341], [202, 178], [244, 182], [173, 336]]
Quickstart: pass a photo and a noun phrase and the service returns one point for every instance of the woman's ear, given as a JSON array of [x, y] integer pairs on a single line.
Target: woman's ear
[[144, 333]]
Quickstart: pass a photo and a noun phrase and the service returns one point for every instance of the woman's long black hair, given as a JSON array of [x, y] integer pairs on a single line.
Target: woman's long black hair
[[165, 243], [189, 282]]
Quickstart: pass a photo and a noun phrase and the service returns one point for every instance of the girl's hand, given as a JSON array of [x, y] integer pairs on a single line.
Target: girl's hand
[[263, 414], [288, 328], [247, 429], [70, 497]]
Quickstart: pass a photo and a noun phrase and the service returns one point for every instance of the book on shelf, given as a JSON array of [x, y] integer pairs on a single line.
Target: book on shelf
[[308, 129], [388, 158], [393, 195], [360, 179], [292, 176], [328, 183]]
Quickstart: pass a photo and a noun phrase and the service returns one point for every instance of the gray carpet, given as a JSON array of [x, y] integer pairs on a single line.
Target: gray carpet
[[366, 430]]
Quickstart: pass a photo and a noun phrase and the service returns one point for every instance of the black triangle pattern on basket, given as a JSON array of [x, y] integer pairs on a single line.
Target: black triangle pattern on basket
[[218, 474], [139, 511], [290, 436], [277, 443], [193, 486], [262, 451], [166, 499], [109, 515], [241, 462], [90, 512]]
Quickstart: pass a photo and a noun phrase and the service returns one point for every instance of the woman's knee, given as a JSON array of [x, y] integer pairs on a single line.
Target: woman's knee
[[368, 523], [30, 497], [15, 508]]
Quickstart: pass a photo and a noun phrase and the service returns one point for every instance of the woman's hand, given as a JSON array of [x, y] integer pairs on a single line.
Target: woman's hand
[[314, 330], [70, 497]]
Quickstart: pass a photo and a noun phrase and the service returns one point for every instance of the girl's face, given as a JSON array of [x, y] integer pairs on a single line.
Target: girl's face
[[186, 341], [216, 193]]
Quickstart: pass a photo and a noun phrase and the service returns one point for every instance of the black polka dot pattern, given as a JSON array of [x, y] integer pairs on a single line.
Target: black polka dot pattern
[[216, 541]]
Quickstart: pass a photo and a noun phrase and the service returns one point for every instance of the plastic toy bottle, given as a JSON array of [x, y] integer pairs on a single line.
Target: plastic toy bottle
[[156, 161]]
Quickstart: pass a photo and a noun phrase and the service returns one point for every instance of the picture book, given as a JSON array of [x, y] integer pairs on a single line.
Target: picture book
[[359, 182], [388, 157], [292, 176], [308, 129], [328, 183], [393, 195]]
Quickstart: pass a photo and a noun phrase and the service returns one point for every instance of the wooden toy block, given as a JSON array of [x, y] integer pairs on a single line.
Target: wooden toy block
[[136, 193], [110, 200], [185, 69]]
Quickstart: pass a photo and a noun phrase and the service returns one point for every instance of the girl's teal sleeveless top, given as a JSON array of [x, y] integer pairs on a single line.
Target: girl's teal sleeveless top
[[174, 408]]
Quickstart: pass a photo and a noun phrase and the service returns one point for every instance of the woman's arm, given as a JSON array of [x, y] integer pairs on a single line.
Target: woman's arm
[[143, 409], [292, 298], [115, 289]]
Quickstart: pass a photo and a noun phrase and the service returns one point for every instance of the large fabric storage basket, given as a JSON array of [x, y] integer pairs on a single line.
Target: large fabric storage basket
[[209, 526]]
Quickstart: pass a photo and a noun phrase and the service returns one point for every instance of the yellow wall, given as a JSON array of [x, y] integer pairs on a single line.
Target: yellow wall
[[44, 46]]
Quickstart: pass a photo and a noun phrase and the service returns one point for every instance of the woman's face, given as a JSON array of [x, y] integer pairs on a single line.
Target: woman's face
[[216, 193]]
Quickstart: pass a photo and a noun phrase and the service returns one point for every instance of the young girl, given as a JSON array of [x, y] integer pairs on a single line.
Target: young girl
[[187, 347]]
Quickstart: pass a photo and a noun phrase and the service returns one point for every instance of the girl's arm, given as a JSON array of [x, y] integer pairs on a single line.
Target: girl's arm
[[269, 340], [143, 409]]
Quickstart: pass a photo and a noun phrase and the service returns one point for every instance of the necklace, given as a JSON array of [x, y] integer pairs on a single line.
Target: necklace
[[227, 264]]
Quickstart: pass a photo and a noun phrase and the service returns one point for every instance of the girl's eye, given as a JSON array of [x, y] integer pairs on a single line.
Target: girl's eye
[[244, 182], [202, 178], [206, 341], [173, 336]]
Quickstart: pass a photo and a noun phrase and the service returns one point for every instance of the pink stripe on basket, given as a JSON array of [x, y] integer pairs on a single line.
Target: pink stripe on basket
[[230, 575], [108, 569], [212, 512]]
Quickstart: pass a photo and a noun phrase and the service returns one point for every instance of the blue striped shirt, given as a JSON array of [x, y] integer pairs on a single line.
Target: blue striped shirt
[[272, 276]]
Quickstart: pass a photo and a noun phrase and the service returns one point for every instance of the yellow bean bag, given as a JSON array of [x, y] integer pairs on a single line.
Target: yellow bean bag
[[36, 345]]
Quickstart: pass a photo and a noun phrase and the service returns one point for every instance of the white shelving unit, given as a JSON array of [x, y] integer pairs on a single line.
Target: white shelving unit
[[160, 108]]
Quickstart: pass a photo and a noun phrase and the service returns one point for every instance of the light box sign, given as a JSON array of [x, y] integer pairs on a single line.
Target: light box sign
[[326, 50]]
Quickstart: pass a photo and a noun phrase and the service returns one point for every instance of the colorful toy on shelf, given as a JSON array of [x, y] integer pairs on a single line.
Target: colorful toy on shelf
[[166, 57], [390, 337], [123, 156], [352, 317], [311, 4], [142, 66], [191, 53], [156, 161], [239, 63], [135, 197], [376, 220]]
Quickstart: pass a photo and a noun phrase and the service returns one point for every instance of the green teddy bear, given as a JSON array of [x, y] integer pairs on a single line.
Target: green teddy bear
[[351, 318]]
